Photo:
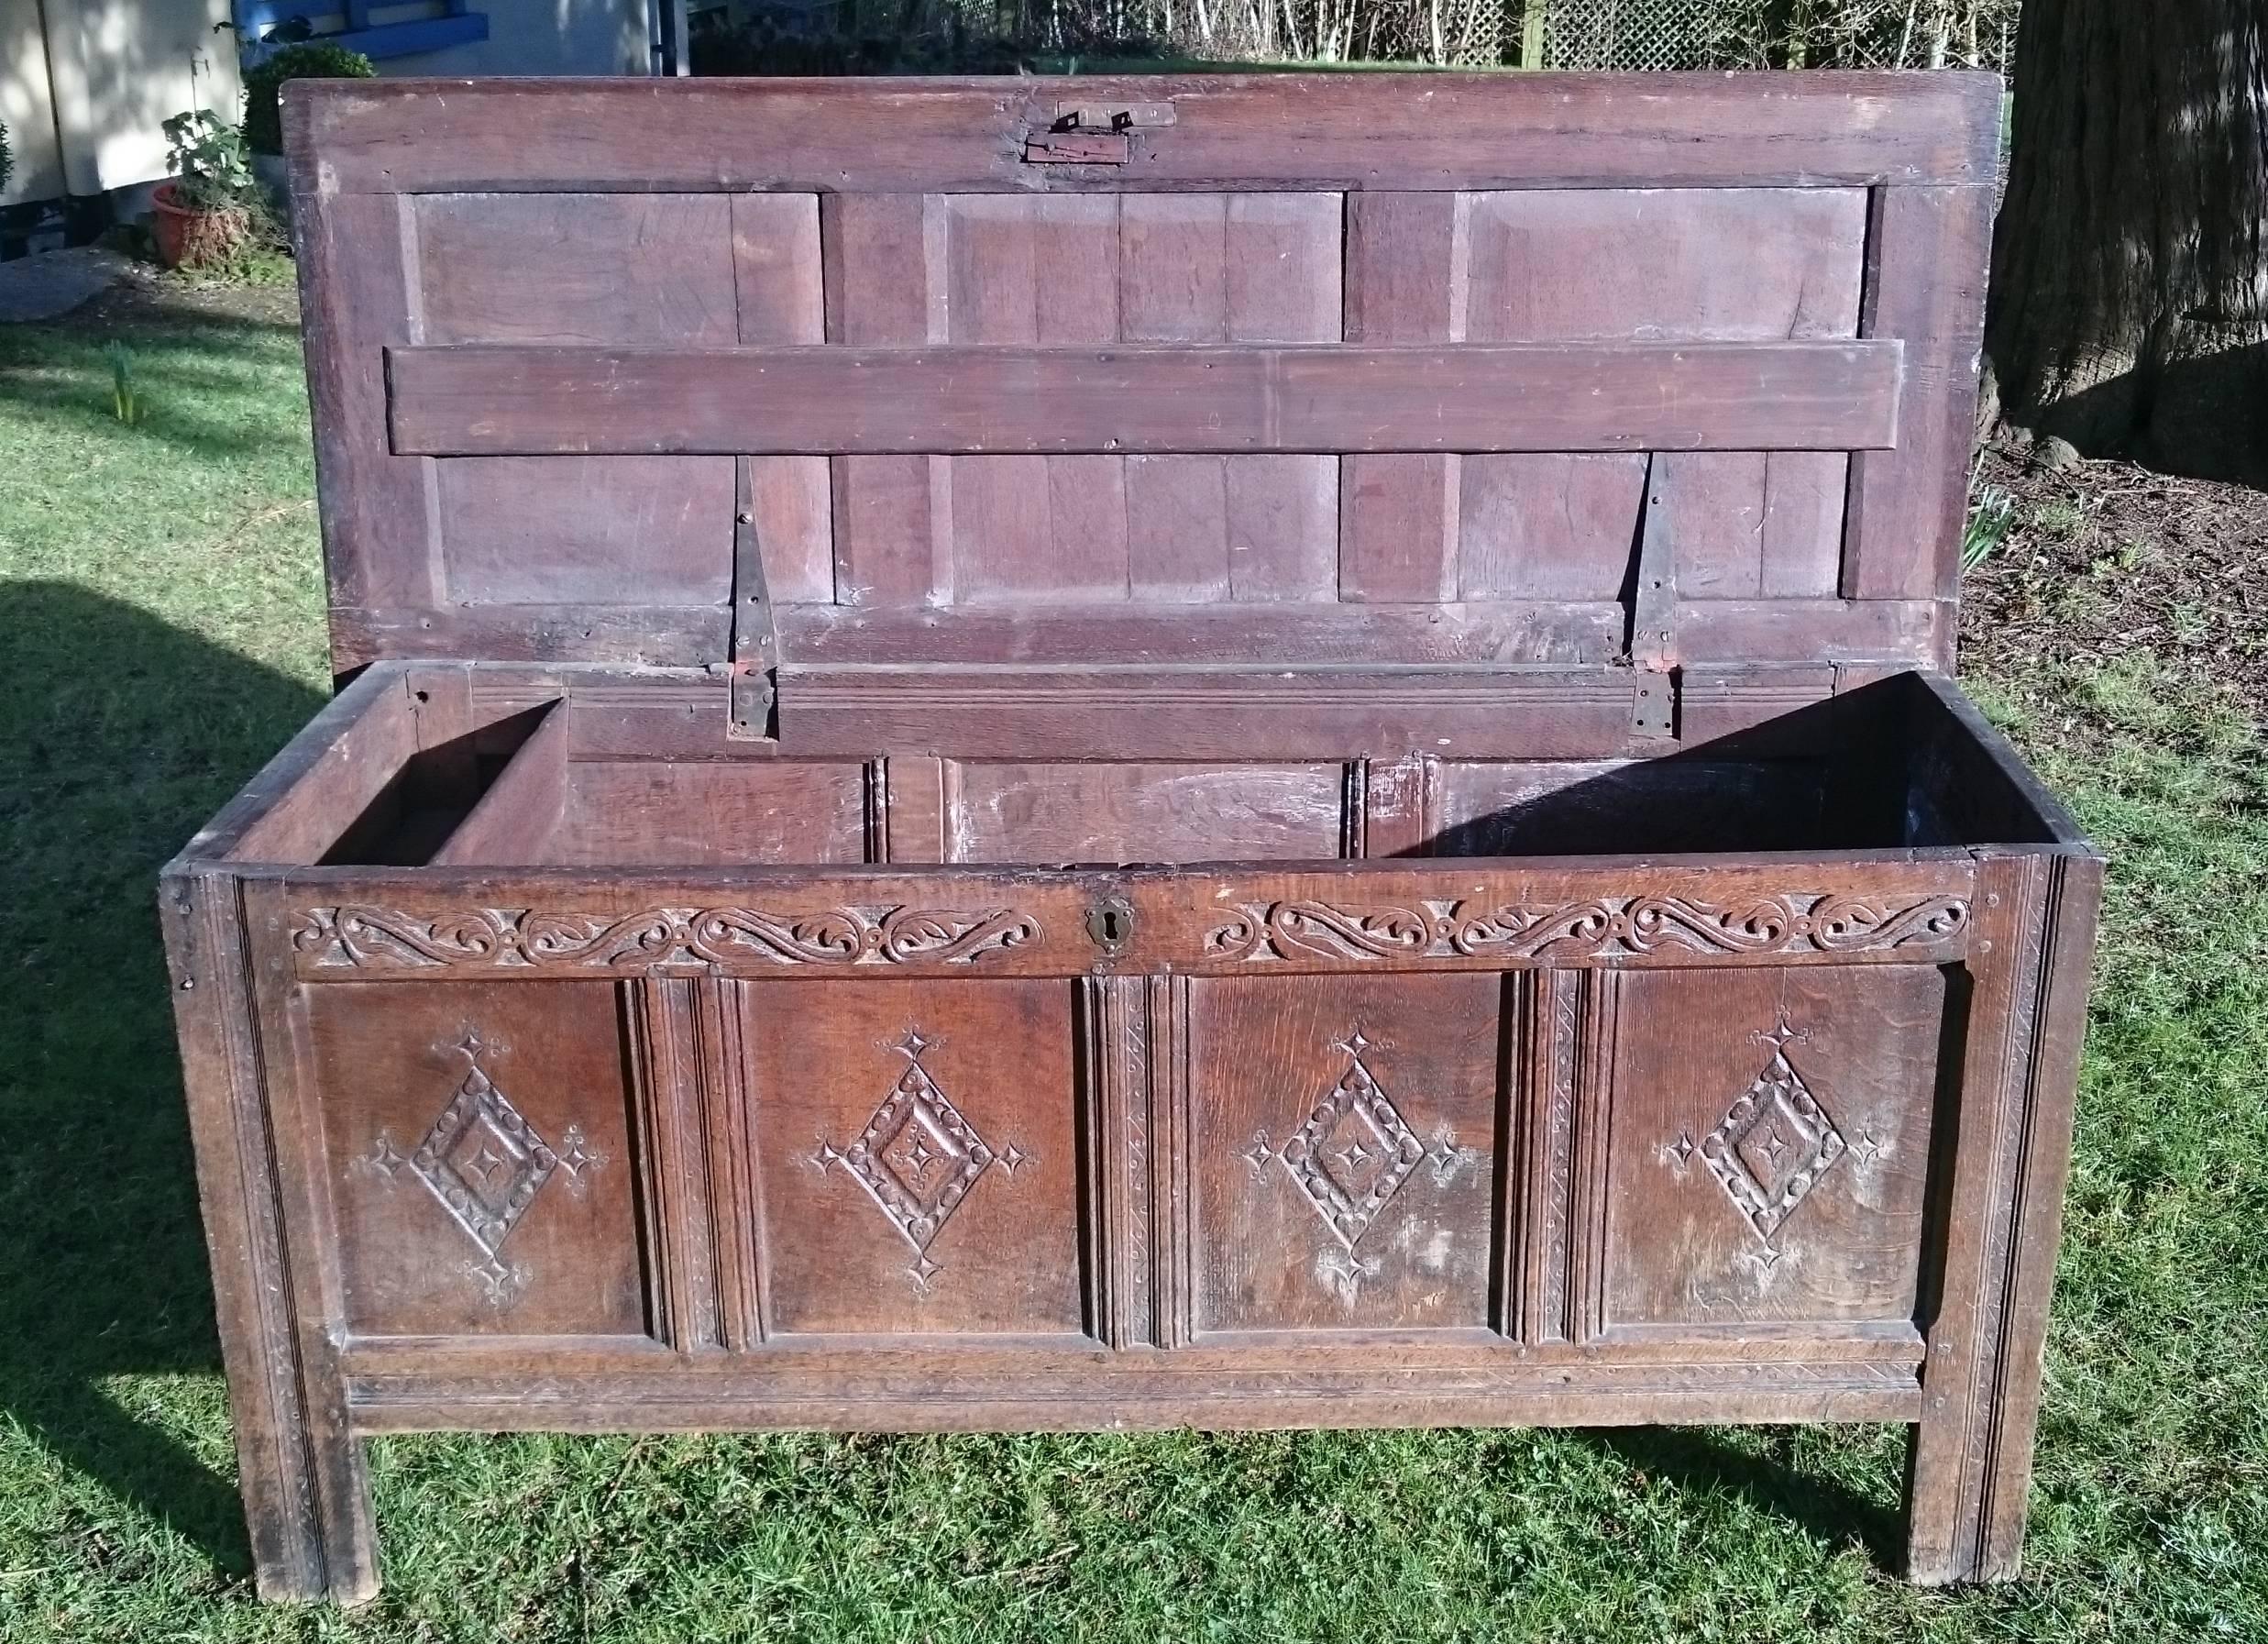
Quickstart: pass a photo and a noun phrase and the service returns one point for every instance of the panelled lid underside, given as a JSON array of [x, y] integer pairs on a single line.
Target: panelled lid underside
[[1398, 372]]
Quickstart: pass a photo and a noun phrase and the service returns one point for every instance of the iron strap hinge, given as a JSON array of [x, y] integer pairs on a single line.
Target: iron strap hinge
[[1654, 616], [754, 698]]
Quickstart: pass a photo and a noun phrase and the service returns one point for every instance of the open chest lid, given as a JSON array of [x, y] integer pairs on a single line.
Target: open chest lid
[[1621, 388]]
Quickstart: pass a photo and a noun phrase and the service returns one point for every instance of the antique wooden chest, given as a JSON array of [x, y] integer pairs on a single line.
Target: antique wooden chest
[[1248, 751]]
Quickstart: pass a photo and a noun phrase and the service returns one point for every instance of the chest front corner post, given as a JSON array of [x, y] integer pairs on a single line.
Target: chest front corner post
[[299, 1466], [2017, 1061]]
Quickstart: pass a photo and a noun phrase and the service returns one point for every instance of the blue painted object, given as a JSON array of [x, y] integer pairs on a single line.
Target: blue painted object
[[352, 28]]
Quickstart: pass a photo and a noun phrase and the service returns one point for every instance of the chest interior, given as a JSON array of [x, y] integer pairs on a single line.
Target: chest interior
[[557, 783]]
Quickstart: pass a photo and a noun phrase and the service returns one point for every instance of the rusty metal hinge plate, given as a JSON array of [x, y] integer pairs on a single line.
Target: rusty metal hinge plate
[[753, 696], [1654, 705], [1112, 116], [1654, 616]]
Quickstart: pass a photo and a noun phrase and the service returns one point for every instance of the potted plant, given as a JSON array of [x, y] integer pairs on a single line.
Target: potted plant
[[203, 213], [263, 112]]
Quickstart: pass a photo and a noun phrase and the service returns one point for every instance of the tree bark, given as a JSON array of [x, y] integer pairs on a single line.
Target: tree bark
[[2126, 311]]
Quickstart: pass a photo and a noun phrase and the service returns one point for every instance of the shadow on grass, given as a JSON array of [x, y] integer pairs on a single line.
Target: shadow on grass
[[123, 735], [1697, 1461]]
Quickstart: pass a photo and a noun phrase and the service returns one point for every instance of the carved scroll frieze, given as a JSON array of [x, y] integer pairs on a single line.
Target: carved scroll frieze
[[1603, 928], [718, 939]]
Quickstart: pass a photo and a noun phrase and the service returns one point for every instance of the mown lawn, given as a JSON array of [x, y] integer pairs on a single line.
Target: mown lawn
[[159, 636]]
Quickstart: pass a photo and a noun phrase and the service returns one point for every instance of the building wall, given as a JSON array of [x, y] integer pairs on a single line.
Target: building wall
[[115, 69], [27, 105], [105, 75]]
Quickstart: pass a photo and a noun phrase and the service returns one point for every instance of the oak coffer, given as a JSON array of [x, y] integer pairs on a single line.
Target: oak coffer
[[1233, 751]]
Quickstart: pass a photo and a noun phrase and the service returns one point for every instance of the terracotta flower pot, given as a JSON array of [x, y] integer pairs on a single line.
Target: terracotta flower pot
[[188, 237]]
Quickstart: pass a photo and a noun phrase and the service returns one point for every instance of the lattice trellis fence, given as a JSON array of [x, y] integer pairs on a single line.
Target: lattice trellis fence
[[1580, 33], [1701, 34], [1624, 34], [1547, 33]]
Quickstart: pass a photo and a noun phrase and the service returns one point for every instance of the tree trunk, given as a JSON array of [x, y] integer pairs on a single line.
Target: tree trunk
[[2128, 312]]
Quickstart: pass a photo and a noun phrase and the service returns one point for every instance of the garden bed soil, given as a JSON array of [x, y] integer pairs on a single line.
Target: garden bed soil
[[2108, 563]]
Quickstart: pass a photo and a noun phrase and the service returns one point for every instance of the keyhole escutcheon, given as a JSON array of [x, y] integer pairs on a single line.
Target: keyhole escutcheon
[[1110, 923]]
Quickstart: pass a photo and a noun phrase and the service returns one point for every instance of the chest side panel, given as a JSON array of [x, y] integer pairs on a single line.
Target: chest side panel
[[481, 1141]]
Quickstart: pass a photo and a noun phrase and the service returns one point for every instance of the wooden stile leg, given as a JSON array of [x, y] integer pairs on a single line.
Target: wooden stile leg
[[1969, 1471], [306, 1494]]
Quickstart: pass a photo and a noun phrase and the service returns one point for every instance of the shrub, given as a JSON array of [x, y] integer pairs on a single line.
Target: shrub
[[7, 160], [263, 85], [207, 154]]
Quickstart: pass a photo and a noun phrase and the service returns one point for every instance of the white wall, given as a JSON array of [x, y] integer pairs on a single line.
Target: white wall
[[117, 69], [108, 72], [27, 105]]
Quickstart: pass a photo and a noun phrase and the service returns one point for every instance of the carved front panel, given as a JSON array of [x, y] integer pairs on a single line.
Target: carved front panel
[[918, 1156], [1767, 1144], [481, 1158], [1342, 1145]]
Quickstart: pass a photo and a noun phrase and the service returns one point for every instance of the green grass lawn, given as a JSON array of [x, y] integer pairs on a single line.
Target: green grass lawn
[[160, 635]]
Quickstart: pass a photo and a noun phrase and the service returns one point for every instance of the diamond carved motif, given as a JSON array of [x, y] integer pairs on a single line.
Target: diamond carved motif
[[918, 1156], [1773, 1146], [486, 1162], [1353, 1154]]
